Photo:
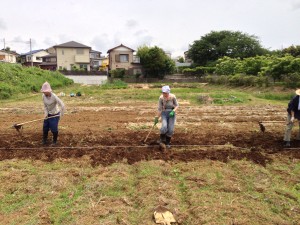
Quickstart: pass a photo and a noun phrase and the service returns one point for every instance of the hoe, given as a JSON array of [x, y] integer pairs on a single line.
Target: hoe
[[19, 126], [263, 128]]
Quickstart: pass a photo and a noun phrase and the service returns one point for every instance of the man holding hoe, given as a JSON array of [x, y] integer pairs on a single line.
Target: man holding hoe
[[51, 112], [167, 106], [293, 112]]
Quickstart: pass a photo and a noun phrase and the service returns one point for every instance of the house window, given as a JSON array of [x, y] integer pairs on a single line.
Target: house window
[[83, 66], [38, 58], [124, 58], [79, 51]]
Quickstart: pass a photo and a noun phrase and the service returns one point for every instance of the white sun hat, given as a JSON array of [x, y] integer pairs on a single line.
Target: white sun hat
[[166, 89]]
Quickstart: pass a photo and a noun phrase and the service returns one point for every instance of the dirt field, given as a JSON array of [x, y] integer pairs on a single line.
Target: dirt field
[[112, 134], [103, 135]]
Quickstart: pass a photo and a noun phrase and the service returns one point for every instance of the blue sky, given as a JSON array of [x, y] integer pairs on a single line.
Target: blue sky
[[170, 24]]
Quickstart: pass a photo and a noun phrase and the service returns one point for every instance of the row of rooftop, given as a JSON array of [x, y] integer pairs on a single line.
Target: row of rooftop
[[72, 56]]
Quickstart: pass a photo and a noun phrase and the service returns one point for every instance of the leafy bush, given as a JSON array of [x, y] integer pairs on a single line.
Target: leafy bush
[[238, 80], [15, 79], [114, 84], [292, 80], [118, 73], [198, 71]]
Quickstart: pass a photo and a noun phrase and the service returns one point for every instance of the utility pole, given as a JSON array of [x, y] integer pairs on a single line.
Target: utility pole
[[4, 43], [31, 53]]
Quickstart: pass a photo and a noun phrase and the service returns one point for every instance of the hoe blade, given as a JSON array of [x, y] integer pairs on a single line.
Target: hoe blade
[[262, 127]]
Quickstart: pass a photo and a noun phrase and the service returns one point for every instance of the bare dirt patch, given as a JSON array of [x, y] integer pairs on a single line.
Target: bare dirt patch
[[114, 134]]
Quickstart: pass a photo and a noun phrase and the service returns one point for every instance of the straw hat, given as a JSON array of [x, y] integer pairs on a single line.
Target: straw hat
[[298, 92], [46, 87]]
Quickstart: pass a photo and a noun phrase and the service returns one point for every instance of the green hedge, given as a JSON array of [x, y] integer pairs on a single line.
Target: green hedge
[[198, 71]]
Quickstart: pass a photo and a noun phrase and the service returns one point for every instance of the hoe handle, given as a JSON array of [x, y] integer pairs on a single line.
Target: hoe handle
[[31, 121], [149, 133]]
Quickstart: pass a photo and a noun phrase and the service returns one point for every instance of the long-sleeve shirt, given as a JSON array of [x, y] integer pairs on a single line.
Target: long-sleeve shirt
[[51, 104], [167, 104], [294, 106]]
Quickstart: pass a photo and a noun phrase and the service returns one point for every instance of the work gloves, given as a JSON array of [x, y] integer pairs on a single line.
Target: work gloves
[[292, 119], [171, 114], [155, 120]]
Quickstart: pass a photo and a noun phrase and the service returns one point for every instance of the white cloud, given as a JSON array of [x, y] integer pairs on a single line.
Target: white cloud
[[131, 23], [2, 24], [296, 5], [170, 26]]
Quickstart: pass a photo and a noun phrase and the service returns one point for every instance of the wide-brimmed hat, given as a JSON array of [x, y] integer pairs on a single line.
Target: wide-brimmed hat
[[297, 92], [166, 89], [46, 87]]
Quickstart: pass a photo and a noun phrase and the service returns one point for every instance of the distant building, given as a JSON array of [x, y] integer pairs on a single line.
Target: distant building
[[122, 57], [73, 54], [95, 60], [8, 56], [33, 58], [49, 62], [168, 53], [186, 58]]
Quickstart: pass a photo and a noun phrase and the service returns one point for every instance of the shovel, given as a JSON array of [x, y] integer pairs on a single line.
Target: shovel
[[19, 126]]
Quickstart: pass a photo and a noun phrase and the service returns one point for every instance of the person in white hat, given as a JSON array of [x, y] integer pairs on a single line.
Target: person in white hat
[[293, 112], [167, 106], [51, 108]]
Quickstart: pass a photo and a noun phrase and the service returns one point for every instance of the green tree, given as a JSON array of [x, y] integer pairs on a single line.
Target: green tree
[[180, 59], [292, 50], [155, 62], [218, 44]]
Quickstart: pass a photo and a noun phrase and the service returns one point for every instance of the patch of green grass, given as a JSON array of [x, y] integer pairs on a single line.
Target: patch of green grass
[[61, 211], [223, 98], [15, 201], [275, 96], [115, 84]]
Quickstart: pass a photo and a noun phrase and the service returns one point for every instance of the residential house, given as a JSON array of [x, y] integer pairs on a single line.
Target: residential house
[[122, 57], [8, 56], [73, 54], [95, 60], [186, 58], [104, 63], [49, 62], [33, 58]]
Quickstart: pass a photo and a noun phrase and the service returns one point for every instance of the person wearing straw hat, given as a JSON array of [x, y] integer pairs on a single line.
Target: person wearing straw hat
[[51, 108], [293, 112], [167, 106]]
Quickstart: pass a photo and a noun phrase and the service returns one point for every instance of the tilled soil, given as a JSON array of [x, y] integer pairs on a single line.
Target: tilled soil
[[114, 134]]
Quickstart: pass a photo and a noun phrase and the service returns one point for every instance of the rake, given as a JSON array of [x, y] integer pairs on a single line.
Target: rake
[[19, 126]]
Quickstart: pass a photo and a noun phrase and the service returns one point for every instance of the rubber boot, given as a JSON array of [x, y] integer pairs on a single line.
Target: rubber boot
[[162, 144], [55, 135], [163, 138], [168, 142], [45, 136], [287, 144]]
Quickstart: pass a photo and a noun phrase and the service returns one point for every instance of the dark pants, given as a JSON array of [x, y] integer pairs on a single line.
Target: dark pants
[[51, 124]]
